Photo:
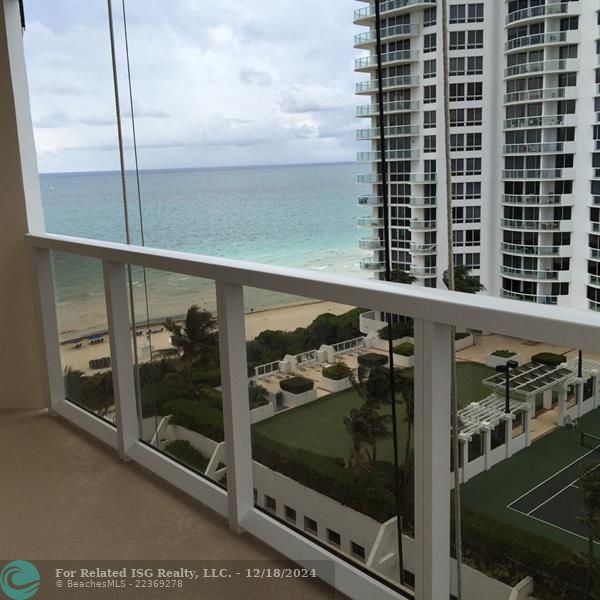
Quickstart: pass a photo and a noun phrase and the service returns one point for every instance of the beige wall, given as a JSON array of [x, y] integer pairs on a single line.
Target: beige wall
[[20, 364]]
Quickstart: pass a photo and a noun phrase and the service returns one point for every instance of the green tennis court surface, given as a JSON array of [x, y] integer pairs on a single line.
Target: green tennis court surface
[[557, 500]]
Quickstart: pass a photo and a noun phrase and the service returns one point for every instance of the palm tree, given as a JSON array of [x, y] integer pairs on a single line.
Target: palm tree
[[357, 428], [589, 486], [375, 428], [464, 281], [196, 337], [400, 276], [406, 387]]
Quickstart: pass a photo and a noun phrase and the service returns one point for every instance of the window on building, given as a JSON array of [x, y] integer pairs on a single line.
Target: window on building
[[475, 13], [290, 514], [429, 143], [475, 90], [333, 537], [457, 40], [458, 13], [429, 17], [429, 119], [475, 38], [457, 66], [429, 68], [310, 525], [357, 550], [270, 503], [429, 42], [429, 94], [474, 65], [474, 116], [457, 92]]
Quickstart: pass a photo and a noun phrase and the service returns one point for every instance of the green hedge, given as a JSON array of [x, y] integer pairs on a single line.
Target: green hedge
[[399, 330], [210, 377], [372, 359], [297, 385], [156, 395], [504, 353], [548, 358], [461, 335], [338, 371], [365, 492], [197, 416], [508, 553], [405, 349], [182, 450]]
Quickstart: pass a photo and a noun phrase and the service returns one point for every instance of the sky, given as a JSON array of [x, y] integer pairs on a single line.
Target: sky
[[215, 82]]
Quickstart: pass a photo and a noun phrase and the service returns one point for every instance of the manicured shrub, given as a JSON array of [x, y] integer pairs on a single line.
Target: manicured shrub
[[372, 359], [548, 358], [405, 349], [183, 451], [461, 335], [399, 330], [503, 353], [156, 395], [196, 416], [297, 385], [210, 377], [338, 371]]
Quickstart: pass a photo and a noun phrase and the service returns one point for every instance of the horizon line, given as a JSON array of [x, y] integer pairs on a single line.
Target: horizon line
[[337, 162]]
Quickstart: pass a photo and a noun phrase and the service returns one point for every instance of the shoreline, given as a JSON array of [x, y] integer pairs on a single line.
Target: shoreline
[[286, 317]]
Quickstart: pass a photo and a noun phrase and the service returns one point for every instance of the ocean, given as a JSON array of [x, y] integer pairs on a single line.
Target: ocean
[[297, 216]]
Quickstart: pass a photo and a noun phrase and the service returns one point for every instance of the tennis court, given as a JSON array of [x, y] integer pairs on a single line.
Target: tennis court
[[557, 500]]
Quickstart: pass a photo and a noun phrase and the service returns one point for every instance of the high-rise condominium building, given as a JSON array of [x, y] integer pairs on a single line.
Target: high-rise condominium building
[[525, 144]]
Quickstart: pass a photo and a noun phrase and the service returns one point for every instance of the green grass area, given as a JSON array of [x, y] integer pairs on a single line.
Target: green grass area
[[491, 491], [319, 427]]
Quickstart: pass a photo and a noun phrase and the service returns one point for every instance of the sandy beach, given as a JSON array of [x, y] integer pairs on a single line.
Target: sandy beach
[[286, 318]]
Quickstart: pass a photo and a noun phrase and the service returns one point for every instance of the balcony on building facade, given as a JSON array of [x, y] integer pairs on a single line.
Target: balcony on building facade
[[370, 222], [420, 272], [535, 12], [390, 155], [535, 200], [535, 148], [546, 121], [596, 200], [552, 37], [373, 133], [369, 38], [419, 224], [595, 253], [531, 250], [372, 110], [554, 93], [363, 16], [423, 248], [594, 305], [533, 225], [529, 273], [423, 200], [537, 298], [370, 244], [542, 66], [370, 201], [594, 280], [595, 227], [422, 177], [369, 63], [388, 83], [533, 174], [371, 264]]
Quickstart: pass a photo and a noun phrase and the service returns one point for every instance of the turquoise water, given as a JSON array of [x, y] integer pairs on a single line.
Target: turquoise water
[[299, 216]]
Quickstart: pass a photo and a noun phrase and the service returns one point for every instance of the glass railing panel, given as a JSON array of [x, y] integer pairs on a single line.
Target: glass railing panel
[[83, 334]]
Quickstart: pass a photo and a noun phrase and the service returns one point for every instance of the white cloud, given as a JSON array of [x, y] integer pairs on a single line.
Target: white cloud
[[214, 83]]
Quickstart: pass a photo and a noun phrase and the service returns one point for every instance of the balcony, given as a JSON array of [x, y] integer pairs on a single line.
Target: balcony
[[373, 133], [546, 148], [419, 224], [594, 280], [533, 174], [422, 177], [368, 63], [532, 250], [372, 110], [537, 299], [389, 83], [529, 273], [530, 225], [553, 37], [533, 200], [370, 244], [544, 66], [369, 38], [536, 12], [422, 272], [528, 122], [370, 201], [595, 227], [423, 200], [538, 94], [390, 155], [370, 222], [370, 264], [423, 248], [363, 16]]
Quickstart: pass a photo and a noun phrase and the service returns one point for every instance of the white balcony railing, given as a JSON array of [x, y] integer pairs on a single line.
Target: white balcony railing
[[434, 313]]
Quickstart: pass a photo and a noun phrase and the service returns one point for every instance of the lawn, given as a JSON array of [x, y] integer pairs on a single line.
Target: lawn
[[491, 491], [319, 426]]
